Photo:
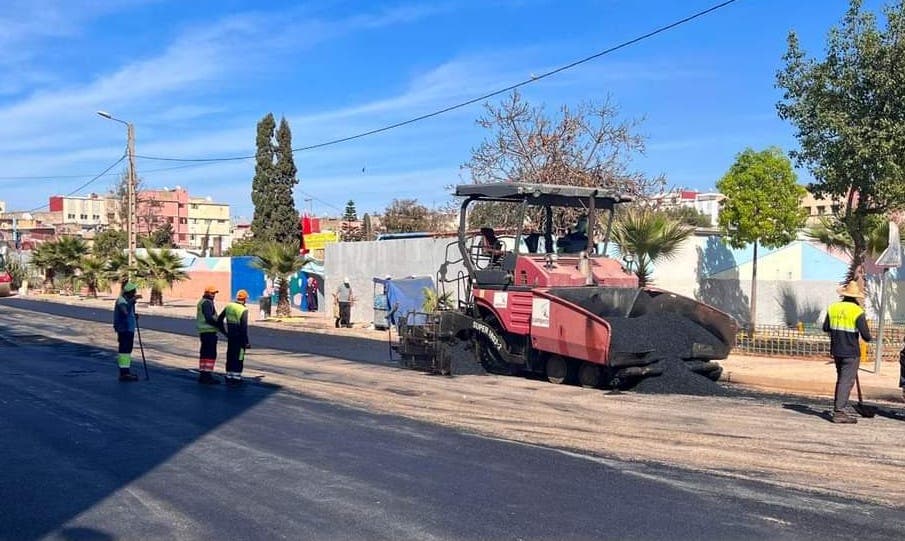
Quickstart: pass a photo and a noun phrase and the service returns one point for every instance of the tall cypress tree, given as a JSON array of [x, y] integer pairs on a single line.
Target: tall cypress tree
[[285, 218], [263, 187]]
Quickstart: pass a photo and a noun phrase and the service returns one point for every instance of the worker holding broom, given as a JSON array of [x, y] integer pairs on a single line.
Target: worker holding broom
[[845, 322], [234, 319], [124, 323]]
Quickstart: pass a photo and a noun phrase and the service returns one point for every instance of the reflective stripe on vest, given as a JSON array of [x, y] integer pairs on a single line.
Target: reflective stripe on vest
[[844, 316], [234, 312], [203, 325]]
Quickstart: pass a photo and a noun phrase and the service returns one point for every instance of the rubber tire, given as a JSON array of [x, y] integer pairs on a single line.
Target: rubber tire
[[560, 370], [590, 375]]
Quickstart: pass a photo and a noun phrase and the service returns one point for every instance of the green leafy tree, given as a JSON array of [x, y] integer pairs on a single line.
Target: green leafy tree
[[263, 186], [280, 262], [109, 243], [689, 216], [349, 230], [244, 247], [406, 216], [162, 237], [160, 269], [285, 218], [762, 206], [848, 110], [648, 236]]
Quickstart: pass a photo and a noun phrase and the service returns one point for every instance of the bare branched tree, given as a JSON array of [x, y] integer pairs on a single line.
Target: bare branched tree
[[585, 146]]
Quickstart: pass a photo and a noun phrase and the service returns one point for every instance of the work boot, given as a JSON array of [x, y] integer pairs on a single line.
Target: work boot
[[127, 376], [207, 378], [841, 417]]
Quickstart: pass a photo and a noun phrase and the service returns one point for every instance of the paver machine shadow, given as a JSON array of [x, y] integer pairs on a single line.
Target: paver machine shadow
[[576, 316]]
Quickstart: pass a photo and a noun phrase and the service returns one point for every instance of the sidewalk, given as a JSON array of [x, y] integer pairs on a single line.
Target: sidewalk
[[815, 377], [803, 376]]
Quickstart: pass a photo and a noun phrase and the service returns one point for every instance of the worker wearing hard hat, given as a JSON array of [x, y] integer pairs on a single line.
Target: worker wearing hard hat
[[124, 324], [845, 321], [234, 320], [208, 326]]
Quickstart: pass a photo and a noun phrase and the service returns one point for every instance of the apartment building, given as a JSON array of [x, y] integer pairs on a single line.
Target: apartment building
[[818, 208], [158, 207], [707, 203], [82, 215], [209, 226]]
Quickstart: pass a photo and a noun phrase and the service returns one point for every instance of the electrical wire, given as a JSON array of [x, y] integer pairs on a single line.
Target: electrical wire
[[86, 184], [471, 101], [60, 177]]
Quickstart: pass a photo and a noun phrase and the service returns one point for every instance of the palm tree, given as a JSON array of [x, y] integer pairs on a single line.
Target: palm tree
[[70, 252], [45, 257], [117, 269], [93, 274], [648, 236], [834, 235], [61, 258], [160, 269], [280, 262]]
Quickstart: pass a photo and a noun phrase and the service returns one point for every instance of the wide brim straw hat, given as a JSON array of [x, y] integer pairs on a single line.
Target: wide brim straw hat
[[851, 289]]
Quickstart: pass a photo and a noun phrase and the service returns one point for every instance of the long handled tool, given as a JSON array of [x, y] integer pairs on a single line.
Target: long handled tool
[[863, 409], [141, 348]]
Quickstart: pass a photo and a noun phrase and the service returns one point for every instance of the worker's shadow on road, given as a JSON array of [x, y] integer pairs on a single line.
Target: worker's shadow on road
[[824, 414]]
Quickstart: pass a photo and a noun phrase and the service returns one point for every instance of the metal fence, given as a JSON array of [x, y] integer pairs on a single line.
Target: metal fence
[[810, 341]]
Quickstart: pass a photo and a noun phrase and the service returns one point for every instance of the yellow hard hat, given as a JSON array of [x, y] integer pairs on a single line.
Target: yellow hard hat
[[242, 295]]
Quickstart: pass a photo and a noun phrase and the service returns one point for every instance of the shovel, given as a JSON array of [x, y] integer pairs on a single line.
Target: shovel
[[861, 408]]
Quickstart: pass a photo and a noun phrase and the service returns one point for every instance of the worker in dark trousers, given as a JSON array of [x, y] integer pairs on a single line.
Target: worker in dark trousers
[[208, 326], [845, 321], [344, 298], [234, 319], [124, 323]]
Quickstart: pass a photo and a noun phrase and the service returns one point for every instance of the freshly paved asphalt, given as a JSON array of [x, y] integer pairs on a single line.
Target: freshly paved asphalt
[[347, 347], [85, 457]]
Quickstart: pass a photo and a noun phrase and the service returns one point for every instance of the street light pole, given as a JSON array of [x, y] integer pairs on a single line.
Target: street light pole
[[131, 203]]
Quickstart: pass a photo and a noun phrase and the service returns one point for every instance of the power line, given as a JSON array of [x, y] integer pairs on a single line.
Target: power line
[[61, 177], [321, 201], [460, 105], [85, 185]]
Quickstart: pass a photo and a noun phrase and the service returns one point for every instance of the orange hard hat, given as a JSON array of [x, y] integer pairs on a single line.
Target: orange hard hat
[[211, 290], [242, 295]]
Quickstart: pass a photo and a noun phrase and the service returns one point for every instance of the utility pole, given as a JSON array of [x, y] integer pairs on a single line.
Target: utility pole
[[133, 207]]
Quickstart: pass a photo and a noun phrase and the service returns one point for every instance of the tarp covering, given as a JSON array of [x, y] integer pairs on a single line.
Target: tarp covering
[[406, 295]]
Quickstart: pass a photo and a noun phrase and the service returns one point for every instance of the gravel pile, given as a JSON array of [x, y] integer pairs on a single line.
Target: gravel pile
[[678, 379], [666, 335]]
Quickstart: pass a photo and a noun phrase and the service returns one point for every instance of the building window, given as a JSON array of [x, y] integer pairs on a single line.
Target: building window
[[96, 217], [194, 206], [821, 210], [182, 237], [192, 238], [183, 221], [71, 216], [83, 216]]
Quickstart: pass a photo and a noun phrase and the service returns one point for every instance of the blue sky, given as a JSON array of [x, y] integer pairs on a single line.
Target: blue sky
[[195, 77]]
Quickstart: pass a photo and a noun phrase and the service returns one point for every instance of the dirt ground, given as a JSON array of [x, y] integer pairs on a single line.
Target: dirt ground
[[773, 439]]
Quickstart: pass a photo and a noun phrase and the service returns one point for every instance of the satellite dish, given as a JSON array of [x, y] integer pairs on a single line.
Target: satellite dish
[[892, 256]]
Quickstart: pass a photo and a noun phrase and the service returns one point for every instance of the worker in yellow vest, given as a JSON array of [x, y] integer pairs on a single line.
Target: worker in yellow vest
[[234, 320], [208, 327], [845, 321]]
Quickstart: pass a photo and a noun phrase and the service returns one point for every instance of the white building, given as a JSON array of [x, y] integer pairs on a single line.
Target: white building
[[210, 227], [707, 203]]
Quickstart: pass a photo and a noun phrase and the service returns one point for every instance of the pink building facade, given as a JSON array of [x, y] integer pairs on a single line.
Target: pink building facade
[[157, 207]]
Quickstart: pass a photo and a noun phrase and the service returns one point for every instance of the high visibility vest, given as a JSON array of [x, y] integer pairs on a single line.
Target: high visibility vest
[[203, 325], [844, 316], [234, 313]]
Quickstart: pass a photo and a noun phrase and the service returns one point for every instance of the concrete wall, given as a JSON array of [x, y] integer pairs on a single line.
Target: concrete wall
[[362, 261]]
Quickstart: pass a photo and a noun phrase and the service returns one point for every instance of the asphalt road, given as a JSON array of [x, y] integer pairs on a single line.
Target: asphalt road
[[347, 347], [86, 457]]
